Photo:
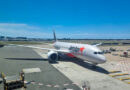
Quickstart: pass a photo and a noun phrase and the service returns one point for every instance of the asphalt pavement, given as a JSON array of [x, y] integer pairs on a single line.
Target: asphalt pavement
[[14, 59]]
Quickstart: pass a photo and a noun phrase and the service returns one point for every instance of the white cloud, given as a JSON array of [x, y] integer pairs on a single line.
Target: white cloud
[[12, 24], [13, 29]]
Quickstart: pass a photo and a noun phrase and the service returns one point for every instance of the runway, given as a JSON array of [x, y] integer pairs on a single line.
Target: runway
[[14, 59]]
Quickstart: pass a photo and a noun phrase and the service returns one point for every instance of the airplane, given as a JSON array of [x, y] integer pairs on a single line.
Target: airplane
[[86, 52]]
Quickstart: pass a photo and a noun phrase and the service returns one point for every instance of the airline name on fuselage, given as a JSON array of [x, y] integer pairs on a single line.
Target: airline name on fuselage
[[76, 50]]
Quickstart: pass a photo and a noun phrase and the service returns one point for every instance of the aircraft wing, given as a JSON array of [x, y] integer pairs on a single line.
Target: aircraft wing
[[49, 49], [98, 44]]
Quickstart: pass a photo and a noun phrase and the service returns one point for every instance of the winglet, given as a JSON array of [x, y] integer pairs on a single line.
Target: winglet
[[54, 35]]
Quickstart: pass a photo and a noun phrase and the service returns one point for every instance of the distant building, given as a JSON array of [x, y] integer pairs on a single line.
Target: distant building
[[2, 38], [125, 43]]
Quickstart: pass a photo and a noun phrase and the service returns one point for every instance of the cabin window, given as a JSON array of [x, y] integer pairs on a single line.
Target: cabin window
[[100, 52]]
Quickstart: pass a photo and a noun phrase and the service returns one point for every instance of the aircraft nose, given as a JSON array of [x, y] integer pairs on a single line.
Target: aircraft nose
[[103, 59]]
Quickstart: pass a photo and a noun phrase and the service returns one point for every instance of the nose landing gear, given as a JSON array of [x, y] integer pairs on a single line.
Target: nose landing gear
[[94, 65]]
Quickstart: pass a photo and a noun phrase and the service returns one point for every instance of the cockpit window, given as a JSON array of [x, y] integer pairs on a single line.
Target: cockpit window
[[95, 52], [98, 52]]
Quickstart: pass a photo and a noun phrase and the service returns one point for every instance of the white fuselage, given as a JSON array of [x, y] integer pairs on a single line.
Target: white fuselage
[[83, 51]]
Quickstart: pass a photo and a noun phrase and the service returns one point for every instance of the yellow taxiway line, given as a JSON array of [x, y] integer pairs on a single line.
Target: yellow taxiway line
[[119, 74]]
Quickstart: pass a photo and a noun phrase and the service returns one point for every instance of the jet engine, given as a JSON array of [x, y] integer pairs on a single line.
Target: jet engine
[[52, 56]]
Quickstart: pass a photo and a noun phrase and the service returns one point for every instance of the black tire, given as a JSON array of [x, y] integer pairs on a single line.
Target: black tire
[[52, 61], [59, 57]]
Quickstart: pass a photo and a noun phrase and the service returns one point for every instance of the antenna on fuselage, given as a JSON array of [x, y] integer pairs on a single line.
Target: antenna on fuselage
[[55, 39]]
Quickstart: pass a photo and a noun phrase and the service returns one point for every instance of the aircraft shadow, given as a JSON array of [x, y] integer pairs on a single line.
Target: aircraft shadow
[[74, 60], [31, 59], [85, 65]]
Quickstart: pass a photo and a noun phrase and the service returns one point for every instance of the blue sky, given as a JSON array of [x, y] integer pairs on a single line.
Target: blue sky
[[70, 18]]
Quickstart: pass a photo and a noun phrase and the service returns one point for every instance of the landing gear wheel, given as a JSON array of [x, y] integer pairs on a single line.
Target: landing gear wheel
[[94, 66], [59, 57], [52, 61]]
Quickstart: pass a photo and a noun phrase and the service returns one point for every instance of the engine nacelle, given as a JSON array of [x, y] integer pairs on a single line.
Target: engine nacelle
[[52, 56]]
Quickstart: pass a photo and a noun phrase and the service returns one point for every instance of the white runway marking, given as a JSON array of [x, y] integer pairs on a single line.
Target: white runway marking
[[31, 70]]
